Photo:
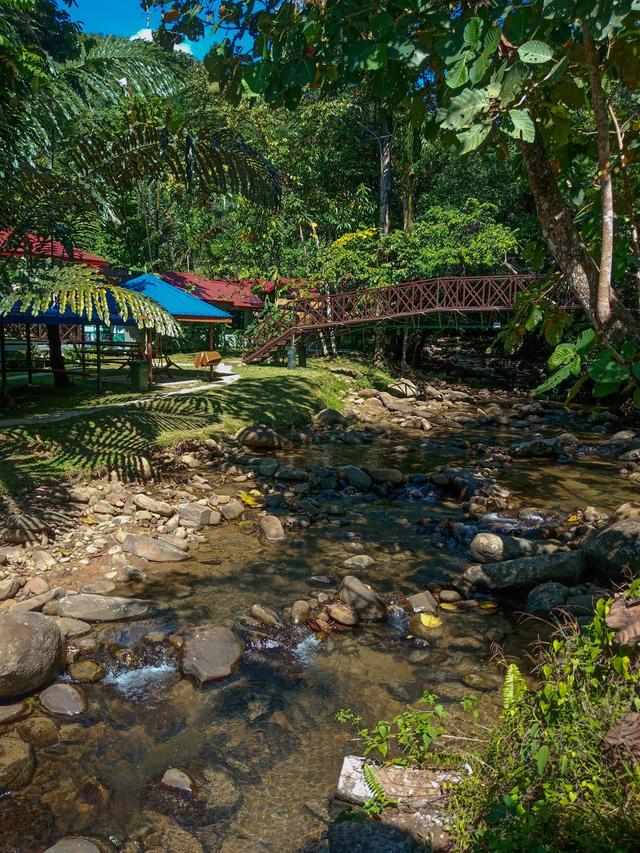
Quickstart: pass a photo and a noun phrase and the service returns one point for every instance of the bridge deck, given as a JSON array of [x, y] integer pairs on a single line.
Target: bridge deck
[[301, 318]]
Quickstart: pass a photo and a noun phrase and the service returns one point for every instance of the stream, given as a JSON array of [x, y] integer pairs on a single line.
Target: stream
[[264, 743]]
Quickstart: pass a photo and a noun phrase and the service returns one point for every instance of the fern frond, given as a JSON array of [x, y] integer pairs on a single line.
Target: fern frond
[[370, 778], [513, 688]]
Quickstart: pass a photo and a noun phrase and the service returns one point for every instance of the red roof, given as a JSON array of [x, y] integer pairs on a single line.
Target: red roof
[[46, 247], [235, 293]]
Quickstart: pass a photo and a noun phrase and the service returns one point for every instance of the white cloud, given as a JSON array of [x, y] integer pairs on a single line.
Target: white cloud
[[146, 35]]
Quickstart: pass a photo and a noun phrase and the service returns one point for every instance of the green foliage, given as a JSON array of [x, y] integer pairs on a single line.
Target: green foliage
[[544, 783], [443, 241], [378, 801]]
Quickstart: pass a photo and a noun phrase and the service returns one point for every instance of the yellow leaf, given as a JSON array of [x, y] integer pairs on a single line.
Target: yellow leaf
[[430, 621], [448, 605], [488, 605], [246, 498], [573, 518], [255, 493]]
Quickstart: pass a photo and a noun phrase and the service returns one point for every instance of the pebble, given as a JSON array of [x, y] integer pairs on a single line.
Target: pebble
[[63, 699]]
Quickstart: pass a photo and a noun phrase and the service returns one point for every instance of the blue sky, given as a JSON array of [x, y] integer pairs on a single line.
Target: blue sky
[[121, 18]]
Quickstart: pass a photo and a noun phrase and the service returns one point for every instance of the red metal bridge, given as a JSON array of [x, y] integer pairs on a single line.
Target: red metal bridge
[[301, 319]]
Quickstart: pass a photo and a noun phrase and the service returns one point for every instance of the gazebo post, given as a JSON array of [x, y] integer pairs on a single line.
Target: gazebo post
[[150, 355], [3, 369], [83, 348], [29, 363], [210, 336], [98, 358]]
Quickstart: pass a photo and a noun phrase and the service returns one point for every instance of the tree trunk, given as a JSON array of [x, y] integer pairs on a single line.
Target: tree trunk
[[603, 301], [628, 198], [384, 147], [56, 358]]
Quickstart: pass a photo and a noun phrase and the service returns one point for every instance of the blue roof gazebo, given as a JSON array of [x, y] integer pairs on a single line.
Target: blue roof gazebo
[[184, 307]]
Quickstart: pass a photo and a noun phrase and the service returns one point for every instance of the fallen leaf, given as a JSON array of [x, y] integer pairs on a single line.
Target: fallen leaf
[[430, 621]]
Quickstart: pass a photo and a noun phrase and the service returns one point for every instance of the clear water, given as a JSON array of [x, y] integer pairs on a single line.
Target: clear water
[[270, 726]]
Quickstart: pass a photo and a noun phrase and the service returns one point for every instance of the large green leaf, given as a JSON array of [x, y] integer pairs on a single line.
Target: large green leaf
[[519, 125], [463, 108], [586, 341], [555, 379], [458, 75], [562, 354], [604, 389], [472, 31], [473, 138], [606, 370], [535, 52]]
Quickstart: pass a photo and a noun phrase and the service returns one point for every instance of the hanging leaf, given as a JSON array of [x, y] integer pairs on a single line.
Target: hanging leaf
[[535, 52], [519, 125], [473, 138], [542, 759], [458, 75], [463, 108]]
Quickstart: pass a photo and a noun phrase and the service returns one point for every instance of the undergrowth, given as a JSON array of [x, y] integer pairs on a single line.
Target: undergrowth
[[544, 782]]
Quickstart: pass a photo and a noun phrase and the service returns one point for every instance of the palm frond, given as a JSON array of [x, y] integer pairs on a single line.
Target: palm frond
[[39, 287]]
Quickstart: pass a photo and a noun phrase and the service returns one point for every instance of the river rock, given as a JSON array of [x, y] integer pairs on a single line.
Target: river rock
[[210, 653], [271, 528], [73, 844], [260, 437], [525, 572], [232, 510], [495, 547], [71, 628], [392, 476], [86, 670], [329, 418], [153, 549], [357, 477], [32, 652], [359, 561], [162, 508], [174, 778], [16, 763], [268, 466], [64, 700], [546, 597], [423, 602], [33, 586], [101, 608], [103, 587], [369, 606], [194, 515], [9, 587], [357, 836], [12, 711], [342, 614], [300, 612], [37, 602], [615, 549], [219, 791], [265, 615], [403, 388]]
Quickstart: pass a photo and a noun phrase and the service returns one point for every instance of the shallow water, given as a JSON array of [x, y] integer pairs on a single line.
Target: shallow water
[[270, 727]]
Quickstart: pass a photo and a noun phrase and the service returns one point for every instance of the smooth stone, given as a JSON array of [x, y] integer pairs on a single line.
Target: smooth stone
[[357, 477], [265, 615], [99, 608], [343, 614], [369, 606], [38, 602], [174, 778], [38, 730], [268, 466], [33, 652], [72, 627], [260, 437], [615, 550], [210, 652], [65, 700], [423, 602], [34, 586], [162, 508], [329, 418], [403, 388], [11, 712], [495, 547], [360, 561], [86, 670], [393, 476], [232, 510], [16, 763], [271, 528], [546, 597], [525, 572], [300, 612], [194, 515], [73, 844], [152, 549], [9, 587], [449, 596]]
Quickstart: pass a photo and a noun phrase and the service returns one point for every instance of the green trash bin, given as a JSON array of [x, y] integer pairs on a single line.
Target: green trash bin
[[139, 372]]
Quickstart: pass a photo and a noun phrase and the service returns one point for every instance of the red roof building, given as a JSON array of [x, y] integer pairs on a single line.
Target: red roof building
[[45, 247], [229, 295]]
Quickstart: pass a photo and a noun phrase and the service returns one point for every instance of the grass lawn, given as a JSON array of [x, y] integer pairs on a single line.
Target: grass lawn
[[119, 437]]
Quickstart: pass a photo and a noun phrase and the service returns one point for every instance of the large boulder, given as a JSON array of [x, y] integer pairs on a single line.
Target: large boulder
[[329, 418], [210, 653], [101, 608], [615, 549], [358, 478], [524, 572], [260, 437], [153, 549], [403, 388], [546, 597], [32, 652], [360, 597], [494, 547]]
